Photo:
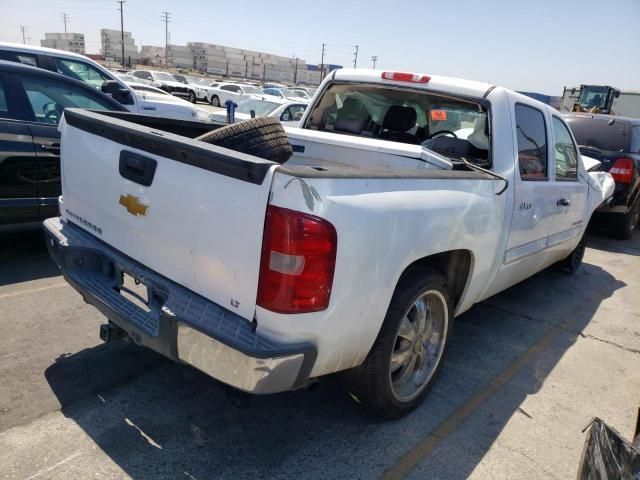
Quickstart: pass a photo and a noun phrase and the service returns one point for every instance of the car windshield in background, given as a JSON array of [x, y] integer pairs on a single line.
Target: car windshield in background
[[199, 81], [593, 96], [261, 107], [455, 128], [596, 132], [251, 90], [296, 94], [164, 76]]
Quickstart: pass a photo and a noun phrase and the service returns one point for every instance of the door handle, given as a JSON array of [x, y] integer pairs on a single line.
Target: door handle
[[52, 147], [563, 202]]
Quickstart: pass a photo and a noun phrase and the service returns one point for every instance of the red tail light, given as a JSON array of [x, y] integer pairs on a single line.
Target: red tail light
[[405, 77], [298, 259], [622, 170]]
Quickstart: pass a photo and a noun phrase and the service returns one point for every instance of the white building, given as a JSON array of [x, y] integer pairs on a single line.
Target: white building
[[71, 42], [180, 56], [112, 46]]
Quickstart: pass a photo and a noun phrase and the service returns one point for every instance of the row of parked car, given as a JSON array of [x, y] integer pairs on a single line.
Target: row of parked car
[[269, 99]]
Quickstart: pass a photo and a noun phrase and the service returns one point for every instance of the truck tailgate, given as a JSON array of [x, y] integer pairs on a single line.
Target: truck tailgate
[[192, 212]]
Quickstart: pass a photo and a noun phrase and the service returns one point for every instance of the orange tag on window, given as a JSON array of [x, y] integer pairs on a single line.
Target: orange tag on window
[[438, 115]]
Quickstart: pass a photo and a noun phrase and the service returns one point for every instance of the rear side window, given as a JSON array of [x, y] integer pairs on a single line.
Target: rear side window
[[600, 133], [4, 109], [565, 152], [27, 59], [532, 142], [49, 99]]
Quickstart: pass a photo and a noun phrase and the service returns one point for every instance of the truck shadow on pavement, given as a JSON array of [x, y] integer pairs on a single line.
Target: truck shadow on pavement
[[24, 256], [157, 419]]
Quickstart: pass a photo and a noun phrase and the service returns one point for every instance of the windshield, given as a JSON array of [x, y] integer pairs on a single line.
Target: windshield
[[164, 76], [251, 90], [296, 94], [596, 132], [593, 96], [454, 127], [261, 107], [199, 81]]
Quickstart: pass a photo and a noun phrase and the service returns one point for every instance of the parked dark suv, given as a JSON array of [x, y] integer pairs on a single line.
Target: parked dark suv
[[32, 101], [615, 141]]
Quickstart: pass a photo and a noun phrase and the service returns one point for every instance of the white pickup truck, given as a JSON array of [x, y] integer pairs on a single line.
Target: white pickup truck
[[408, 198]]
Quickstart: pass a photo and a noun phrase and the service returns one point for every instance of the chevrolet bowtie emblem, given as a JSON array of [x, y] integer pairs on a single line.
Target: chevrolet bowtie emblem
[[133, 205]]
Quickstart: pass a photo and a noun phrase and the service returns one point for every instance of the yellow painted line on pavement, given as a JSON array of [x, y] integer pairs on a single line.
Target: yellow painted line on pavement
[[32, 290], [413, 457]]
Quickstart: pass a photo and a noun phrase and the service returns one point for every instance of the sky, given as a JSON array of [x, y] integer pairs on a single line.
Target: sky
[[538, 46]]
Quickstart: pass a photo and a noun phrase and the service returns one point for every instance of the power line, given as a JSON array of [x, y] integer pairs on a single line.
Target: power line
[[121, 2], [165, 19], [23, 29], [374, 59], [355, 58], [65, 19]]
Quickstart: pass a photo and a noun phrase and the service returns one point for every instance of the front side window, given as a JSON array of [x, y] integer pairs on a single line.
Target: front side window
[[532, 142], [165, 77], [565, 152], [81, 71], [228, 88], [49, 99]]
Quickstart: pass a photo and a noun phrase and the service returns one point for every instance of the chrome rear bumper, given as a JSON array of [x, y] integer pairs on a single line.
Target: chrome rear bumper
[[179, 323]]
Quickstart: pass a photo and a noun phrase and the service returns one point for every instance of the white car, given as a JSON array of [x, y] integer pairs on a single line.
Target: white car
[[354, 255], [201, 85], [287, 111], [84, 69], [166, 82], [287, 94], [237, 92]]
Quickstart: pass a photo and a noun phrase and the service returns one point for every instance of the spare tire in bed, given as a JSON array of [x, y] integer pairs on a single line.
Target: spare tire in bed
[[263, 137]]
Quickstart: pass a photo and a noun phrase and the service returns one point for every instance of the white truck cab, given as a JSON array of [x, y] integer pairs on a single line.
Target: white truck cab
[[84, 69], [407, 199]]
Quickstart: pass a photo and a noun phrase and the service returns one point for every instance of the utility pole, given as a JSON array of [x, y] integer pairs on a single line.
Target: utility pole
[[355, 58], [121, 2], [374, 59], [295, 73], [65, 19], [23, 29], [165, 19], [324, 46]]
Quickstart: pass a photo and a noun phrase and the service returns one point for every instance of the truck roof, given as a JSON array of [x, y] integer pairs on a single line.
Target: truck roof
[[454, 85]]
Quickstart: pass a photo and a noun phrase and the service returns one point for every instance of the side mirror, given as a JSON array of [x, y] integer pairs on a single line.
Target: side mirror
[[117, 91], [285, 117]]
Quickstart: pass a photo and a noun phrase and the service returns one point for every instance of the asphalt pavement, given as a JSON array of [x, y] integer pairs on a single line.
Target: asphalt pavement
[[525, 373]]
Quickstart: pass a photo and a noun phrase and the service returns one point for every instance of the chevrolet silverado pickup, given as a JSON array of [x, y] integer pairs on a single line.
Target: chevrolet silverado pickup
[[407, 199]]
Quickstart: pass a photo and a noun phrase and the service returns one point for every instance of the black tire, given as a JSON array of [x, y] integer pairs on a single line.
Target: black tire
[[371, 383], [573, 262], [192, 97], [215, 101], [626, 224], [263, 137]]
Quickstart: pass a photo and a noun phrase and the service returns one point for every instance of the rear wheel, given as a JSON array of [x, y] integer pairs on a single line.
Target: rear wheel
[[263, 137], [215, 101], [627, 224], [407, 356]]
